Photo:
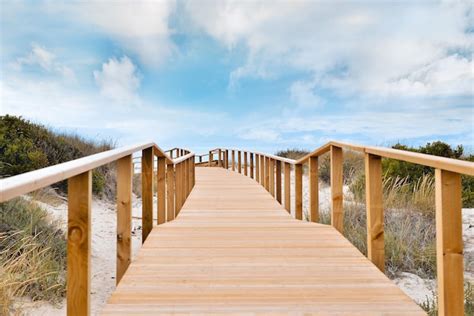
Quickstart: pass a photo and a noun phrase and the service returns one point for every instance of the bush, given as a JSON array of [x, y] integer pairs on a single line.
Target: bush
[[32, 255], [292, 153], [25, 146]]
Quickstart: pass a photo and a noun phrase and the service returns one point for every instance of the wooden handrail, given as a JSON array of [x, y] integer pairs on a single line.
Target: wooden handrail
[[448, 202], [174, 182]]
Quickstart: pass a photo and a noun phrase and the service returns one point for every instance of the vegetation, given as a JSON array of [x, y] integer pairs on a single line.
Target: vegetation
[[26, 146], [32, 255]]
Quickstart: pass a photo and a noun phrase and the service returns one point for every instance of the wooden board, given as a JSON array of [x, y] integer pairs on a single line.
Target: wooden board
[[233, 249]]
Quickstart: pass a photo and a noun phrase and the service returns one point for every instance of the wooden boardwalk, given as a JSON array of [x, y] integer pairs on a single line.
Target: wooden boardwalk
[[234, 249]]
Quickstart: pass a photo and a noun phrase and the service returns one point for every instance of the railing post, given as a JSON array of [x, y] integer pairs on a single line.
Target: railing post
[[337, 213], [147, 192], [374, 205], [79, 244], [278, 181], [210, 158], [299, 191], [271, 177], [257, 167], [313, 189], [288, 187], [124, 215], [233, 160], [245, 164], [251, 166], [262, 170], [449, 243], [219, 158], [161, 190], [267, 174], [170, 192], [227, 159], [239, 161]]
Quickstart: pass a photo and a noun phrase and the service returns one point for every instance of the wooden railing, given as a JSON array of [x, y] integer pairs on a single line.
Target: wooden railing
[[268, 170], [174, 179]]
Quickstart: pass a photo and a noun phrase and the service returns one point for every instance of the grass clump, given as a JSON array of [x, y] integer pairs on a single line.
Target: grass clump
[[32, 255]]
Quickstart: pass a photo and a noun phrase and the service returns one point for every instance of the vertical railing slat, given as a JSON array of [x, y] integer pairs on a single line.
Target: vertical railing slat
[[233, 160], [337, 213], [449, 243], [262, 170], [278, 181], [147, 192], [313, 189], [287, 187], [271, 178], [79, 244], [239, 161], [251, 166], [257, 168], [170, 192], [245, 164], [374, 205], [299, 191], [124, 215], [161, 190]]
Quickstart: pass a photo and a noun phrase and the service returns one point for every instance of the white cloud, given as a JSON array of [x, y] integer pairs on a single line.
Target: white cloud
[[46, 60], [372, 44], [119, 80], [141, 27], [304, 94]]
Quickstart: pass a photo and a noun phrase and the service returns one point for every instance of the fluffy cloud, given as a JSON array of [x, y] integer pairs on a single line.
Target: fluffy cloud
[[141, 27], [359, 47], [46, 60], [119, 80]]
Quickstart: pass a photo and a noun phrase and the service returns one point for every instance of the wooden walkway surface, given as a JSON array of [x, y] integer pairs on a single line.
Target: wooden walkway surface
[[234, 249]]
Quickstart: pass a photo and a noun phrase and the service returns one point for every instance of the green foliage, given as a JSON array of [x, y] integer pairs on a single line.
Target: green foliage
[[292, 153], [32, 255], [26, 146]]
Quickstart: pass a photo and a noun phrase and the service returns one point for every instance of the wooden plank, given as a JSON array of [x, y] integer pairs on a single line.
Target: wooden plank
[[147, 192], [313, 189], [219, 158], [239, 161], [170, 192], [278, 181], [226, 254], [271, 179], [288, 187], [262, 170], [374, 205], [299, 192], [227, 159], [257, 168], [246, 166], [267, 174], [211, 158], [449, 243], [79, 244], [161, 190], [337, 213], [124, 215]]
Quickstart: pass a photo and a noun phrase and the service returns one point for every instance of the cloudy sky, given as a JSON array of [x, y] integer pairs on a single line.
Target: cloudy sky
[[256, 74]]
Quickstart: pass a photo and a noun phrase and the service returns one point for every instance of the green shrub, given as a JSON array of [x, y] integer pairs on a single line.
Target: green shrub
[[292, 153], [26, 146]]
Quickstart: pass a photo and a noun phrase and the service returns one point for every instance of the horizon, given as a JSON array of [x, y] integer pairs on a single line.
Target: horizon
[[244, 75]]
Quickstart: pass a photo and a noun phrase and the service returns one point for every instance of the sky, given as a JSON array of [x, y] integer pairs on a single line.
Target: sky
[[260, 75]]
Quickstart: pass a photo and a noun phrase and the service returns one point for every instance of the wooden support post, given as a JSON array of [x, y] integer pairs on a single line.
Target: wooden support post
[[251, 166], [299, 191], [374, 205], [313, 189], [245, 164], [211, 158], [257, 167], [271, 178], [233, 160], [219, 157], [262, 170], [161, 190], [79, 244], [200, 158], [170, 192], [147, 192], [124, 215], [227, 159], [239, 161], [288, 187], [337, 213], [267, 174], [278, 181], [449, 243]]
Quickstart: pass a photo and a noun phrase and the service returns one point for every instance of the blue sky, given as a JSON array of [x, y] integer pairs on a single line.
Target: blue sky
[[263, 75]]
